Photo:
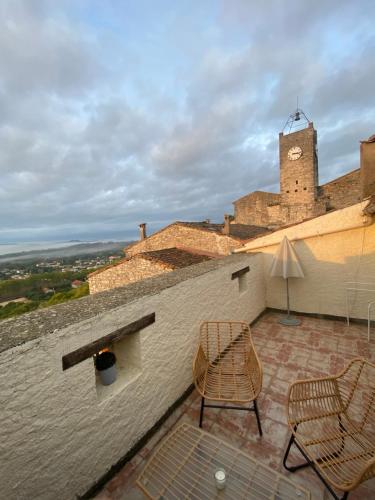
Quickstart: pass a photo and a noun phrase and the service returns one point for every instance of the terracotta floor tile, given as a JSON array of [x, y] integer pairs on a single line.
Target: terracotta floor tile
[[266, 452], [226, 434], [278, 390]]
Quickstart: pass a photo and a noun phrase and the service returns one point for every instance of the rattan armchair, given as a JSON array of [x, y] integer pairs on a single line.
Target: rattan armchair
[[332, 421], [226, 367]]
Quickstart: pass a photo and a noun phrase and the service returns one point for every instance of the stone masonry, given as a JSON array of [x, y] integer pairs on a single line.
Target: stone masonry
[[299, 177], [180, 244], [367, 177], [200, 237], [300, 196], [260, 207], [125, 272], [342, 191], [141, 266]]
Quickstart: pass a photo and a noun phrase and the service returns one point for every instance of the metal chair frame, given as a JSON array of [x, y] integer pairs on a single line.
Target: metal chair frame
[[332, 420]]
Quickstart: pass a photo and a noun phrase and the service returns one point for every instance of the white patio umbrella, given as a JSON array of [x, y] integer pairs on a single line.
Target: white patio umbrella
[[285, 264]]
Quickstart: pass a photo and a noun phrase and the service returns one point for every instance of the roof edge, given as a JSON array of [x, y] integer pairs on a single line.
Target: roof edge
[[341, 177]]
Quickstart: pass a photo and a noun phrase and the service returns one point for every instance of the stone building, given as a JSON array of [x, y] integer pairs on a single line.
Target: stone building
[[185, 243], [367, 177], [178, 245], [301, 197], [214, 239], [141, 266]]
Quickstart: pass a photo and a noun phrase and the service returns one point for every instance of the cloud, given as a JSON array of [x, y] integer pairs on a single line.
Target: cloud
[[40, 53], [114, 115]]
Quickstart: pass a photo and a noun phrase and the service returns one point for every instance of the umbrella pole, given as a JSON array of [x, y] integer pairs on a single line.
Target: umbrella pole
[[287, 296], [289, 320]]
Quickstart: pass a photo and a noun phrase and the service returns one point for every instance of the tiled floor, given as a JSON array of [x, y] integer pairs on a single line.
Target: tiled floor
[[316, 348]]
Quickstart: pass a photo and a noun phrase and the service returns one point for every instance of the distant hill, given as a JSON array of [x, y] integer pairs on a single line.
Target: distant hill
[[70, 251]]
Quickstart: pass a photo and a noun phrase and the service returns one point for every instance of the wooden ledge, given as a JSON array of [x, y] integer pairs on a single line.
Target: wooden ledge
[[88, 350], [240, 273]]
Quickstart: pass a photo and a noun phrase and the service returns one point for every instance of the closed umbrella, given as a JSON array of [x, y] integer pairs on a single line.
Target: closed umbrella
[[285, 264]]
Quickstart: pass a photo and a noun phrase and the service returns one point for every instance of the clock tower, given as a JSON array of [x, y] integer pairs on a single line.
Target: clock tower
[[299, 164]]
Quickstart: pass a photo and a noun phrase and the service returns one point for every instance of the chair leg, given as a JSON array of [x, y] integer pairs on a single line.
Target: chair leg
[[295, 467], [307, 464], [254, 409], [257, 416], [201, 413]]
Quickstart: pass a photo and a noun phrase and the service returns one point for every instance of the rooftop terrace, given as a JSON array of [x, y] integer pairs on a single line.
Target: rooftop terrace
[[315, 348], [63, 433]]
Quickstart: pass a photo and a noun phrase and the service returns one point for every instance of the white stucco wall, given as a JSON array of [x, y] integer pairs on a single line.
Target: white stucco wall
[[56, 437], [331, 253]]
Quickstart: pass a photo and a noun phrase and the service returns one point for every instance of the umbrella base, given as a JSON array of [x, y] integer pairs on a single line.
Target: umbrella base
[[289, 321]]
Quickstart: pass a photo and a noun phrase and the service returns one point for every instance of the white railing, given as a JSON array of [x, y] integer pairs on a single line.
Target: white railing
[[357, 286]]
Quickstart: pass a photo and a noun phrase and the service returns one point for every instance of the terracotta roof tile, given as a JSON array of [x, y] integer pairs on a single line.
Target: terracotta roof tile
[[171, 257], [239, 231], [174, 257]]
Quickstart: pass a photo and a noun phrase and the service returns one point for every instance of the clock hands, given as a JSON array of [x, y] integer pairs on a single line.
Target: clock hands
[[294, 153]]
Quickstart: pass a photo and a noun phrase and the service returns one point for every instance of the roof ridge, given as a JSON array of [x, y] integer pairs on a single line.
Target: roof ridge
[[341, 177]]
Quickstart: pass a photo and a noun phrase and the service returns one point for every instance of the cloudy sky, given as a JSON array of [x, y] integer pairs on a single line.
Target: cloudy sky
[[120, 112]]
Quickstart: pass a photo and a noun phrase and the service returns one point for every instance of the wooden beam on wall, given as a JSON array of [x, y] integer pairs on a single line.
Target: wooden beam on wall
[[94, 347], [239, 273]]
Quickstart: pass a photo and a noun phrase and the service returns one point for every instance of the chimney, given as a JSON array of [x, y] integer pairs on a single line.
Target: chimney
[[367, 172], [227, 219], [142, 230]]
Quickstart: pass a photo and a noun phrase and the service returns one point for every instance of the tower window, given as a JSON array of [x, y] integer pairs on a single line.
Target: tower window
[[296, 182], [304, 189], [296, 190], [288, 191]]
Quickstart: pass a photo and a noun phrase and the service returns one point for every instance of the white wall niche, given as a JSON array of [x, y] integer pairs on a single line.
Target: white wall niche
[[243, 283], [128, 365]]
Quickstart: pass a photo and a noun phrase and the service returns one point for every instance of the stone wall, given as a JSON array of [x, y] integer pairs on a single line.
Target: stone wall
[[367, 179], [293, 214], [123, 273], [177, 235], [300, 196], [258, 208], [341, 192], [59, 432], [297, 200], [299, 178]]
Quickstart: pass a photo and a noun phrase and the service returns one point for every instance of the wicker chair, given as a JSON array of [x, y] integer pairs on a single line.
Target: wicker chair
[[226, 367], [332, 421]]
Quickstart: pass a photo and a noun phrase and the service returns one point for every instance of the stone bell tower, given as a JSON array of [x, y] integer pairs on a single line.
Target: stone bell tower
[[298, 167]]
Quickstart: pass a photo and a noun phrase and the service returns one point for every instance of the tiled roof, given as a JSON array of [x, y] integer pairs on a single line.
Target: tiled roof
[[239, 231], [242, 232], [246, 231], [174, 257]]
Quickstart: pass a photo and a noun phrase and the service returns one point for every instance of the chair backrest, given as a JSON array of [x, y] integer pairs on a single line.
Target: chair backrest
[[357, 389], [218, 337]]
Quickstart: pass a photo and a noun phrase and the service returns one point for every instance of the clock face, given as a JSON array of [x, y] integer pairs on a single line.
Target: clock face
[[294, 153]]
